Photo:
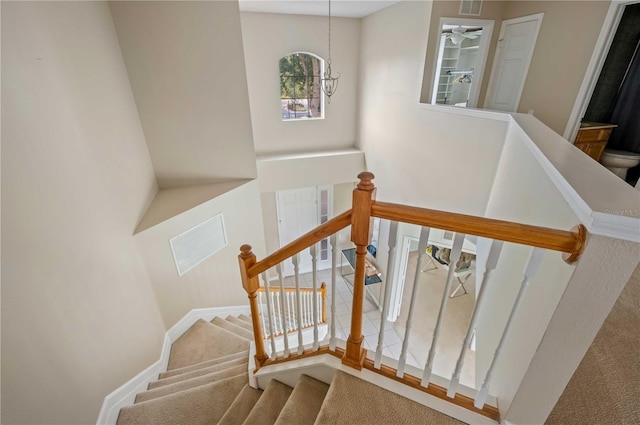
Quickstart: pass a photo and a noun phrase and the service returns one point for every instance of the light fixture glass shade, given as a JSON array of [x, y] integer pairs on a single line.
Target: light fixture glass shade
[[329, 82]]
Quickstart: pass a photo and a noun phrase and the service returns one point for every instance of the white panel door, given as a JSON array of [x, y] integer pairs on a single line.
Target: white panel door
[[297, 214], [513, 56]]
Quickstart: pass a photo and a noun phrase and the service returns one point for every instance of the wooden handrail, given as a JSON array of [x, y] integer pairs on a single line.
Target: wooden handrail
[[569, 242], [321, 232]]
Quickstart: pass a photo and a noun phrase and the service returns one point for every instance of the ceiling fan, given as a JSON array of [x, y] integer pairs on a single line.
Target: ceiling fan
[[458, 34]]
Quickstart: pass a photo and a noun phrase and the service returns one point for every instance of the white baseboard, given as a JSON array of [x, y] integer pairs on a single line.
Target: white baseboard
[[125, 395]]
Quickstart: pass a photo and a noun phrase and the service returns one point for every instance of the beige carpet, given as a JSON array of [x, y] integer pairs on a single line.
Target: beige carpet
[[309, 393], [208, 385], [241, 407], [267, 409], [353, 401], [605, 389], [202, 342]]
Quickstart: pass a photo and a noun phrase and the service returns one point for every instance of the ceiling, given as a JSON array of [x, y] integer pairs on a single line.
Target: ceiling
[[342, 8]]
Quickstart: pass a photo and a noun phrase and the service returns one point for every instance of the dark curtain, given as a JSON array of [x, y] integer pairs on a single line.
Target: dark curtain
[[626, 111]]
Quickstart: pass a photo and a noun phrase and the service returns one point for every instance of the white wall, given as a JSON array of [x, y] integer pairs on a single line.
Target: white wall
[[187, 71], [281, 172], [421, 157], [268, 37], [78, 317], [522, 193], [215, 281]]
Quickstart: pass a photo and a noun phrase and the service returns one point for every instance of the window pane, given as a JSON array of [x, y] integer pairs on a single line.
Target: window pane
[[300, 92]]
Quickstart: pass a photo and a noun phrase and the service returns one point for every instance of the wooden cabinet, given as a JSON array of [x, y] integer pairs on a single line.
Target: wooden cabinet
[[592, 138]]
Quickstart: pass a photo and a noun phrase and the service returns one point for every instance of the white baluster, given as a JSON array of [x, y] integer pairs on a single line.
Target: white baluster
[[276, 312], [296, 271], [422, 249], [283, 313], [530, 270], [456, 250], [492, 262], [314, 285], [309, 315], [290, 304], [269, 315], [393, 230], [261, 307], [334, 260]]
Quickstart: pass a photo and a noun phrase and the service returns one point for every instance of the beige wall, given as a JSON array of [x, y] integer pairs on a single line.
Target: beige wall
[[267, 38], [563, 50], [395, 130], [186, 67], [78, 315], [521, 183], [215, 281], [565, 44]]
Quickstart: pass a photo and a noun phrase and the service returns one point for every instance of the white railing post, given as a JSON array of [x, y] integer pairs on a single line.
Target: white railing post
[[492, 262], [334, 260], [283, 311], [269, 315], [456, 250], [262, 321], [296, 269], [422, 250], [393, 230], [314, 285], [530, 271]]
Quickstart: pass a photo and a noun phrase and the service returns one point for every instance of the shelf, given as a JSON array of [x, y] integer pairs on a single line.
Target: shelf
[[470, 48]]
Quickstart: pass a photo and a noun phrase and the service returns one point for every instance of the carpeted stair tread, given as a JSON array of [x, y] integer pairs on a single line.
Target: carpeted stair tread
[[204, 341], [238, 330], [190, 383], [304, 403], [203, 405], [240, 322], [208, 363], [351, 400], [267, 409], [241, 407], [219, 368], [245, 318]]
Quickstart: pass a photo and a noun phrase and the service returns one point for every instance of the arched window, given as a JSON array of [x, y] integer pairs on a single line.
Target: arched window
[[300, 93]]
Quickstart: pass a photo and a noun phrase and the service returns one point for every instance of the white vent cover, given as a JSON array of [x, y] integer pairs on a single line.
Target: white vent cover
[[195, 245], [470, 7]]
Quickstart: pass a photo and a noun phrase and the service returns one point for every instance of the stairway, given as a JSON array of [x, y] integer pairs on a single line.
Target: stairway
[[207, 383]]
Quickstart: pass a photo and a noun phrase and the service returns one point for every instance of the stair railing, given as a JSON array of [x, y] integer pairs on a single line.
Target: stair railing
[[281, 305], [364, 208]]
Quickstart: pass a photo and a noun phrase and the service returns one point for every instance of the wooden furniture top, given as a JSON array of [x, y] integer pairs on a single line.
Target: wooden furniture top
[[589, 125]]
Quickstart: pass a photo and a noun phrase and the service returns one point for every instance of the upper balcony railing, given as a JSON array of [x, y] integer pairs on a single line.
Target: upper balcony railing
[[569, 243]]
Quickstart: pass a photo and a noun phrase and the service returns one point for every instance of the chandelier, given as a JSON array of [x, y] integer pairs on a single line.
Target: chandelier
[[329, 82]]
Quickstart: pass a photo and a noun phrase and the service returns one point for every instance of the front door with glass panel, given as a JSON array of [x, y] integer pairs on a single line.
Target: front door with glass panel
[[299, 211]]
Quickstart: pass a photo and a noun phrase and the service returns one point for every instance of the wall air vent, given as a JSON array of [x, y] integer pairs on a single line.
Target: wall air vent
[[470, 7], [195, 245]]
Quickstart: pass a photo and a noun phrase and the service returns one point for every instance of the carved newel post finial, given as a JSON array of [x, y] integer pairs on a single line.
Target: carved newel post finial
[[245, 251], [366, 182]]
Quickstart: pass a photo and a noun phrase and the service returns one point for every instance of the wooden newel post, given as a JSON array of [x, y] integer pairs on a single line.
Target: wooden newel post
[[251, 285], [363, 197]]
